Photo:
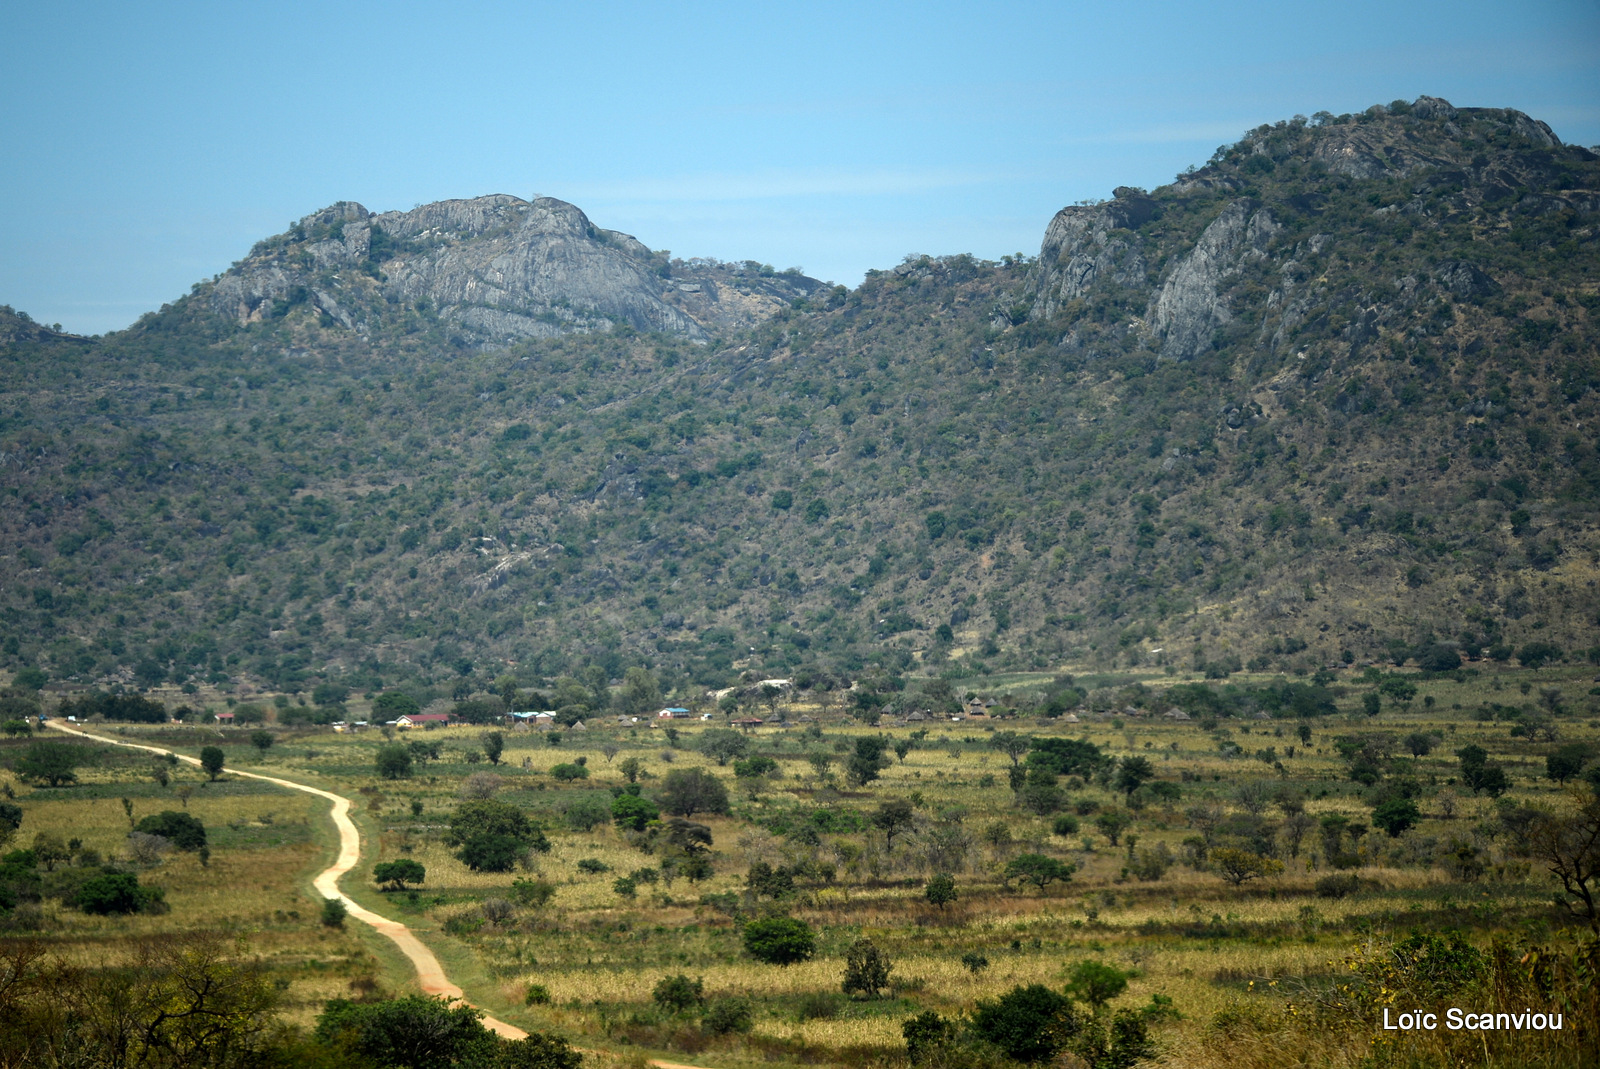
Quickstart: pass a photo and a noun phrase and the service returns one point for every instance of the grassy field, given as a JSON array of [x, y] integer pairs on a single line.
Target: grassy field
[[1215, 950]]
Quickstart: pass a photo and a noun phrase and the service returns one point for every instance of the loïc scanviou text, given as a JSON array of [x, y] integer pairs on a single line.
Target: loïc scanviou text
[[1458, 1020]]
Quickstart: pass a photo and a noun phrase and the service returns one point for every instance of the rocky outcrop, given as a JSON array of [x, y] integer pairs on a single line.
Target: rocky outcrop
[[1087, 244], [498, 268], [1189, 307]]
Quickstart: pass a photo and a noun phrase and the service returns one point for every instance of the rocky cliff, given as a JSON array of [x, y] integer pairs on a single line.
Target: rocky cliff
[[497, 269]]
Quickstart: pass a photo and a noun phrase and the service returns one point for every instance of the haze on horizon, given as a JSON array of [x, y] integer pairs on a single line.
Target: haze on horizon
[[154, 145]]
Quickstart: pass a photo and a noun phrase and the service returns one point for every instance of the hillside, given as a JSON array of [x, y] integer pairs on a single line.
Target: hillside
[[1329, 396]]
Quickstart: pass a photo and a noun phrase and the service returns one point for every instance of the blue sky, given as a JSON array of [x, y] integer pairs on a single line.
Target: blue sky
[[149, 145]]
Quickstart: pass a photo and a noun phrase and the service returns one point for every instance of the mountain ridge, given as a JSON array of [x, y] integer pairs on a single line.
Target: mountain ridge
[[1326, 397]]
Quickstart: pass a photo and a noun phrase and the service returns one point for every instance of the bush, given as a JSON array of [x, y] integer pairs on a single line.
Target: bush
[[115, 892], [779, 940], [1338, 885], [333, 913], [632, 812], [727, 1016], [393, 760], [678, 994], [926, 1034], [537, 995], [1096, 983], [532, 892], [941, 890], [687, 791], [866, 969], [1065, 825], [586, 811], [182, 830], [569, 772], [394, 875], [489, 852], [593, 866], [1151, 864], [1028, 1023]]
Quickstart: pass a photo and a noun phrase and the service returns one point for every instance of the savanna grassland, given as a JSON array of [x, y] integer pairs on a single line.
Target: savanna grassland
[[576, 938]]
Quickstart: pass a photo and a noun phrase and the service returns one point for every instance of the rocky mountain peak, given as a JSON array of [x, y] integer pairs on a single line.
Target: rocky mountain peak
[[496, 268]]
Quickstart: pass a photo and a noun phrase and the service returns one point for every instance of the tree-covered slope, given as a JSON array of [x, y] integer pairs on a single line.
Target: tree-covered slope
[[1331, 392]]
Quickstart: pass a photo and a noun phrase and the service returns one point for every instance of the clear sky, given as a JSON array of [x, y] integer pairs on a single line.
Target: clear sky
[[147, 146]]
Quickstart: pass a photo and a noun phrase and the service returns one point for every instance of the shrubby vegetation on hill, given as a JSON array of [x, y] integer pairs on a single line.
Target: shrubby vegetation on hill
[[1322, 399]]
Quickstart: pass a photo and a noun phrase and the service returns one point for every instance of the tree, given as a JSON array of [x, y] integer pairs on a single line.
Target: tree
[[630, 769], [393, 704], [261, 740], [1038, 870], [1566, 762], [1538, 654], [493, 835], [893, 819], [1236, 865], [868, 760], [631, 812], [393, 760], [1096, 983], [414, 1032], [926, 1034], [779, 940], [211, 760], [723, 745], [182, 830], [1396, 815], [333, 913], [1480, 776], [1011, 744], [866, 969], [687, 791], [491, 853], [1371, 704], [679, 994], [1568, 844], [640, 693], [1112, 823], [494, 744], [1132, 773], [1028, 1024], [394, 875], [1419, 743], [114, 892], [50, 763], [940, 890]]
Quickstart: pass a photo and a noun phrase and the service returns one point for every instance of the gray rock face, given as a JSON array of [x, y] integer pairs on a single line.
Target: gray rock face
[[500, 268], [1086, 245], [1188, 310]]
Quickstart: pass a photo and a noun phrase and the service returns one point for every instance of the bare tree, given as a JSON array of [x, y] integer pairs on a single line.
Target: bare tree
[[1253, 796], [1295, 828], [1569, 846]]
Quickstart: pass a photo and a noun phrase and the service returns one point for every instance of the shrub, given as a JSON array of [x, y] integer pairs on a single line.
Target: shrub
[[632, 812], [678, 994], [1338, 885], [532, 892], [1096, 983], [593, 866], [866, 969], [333, 913], [537, 995], [1065, 825], [687, 791], [1236, 866], [569, 772], [941, 890], [394, 875], [1038, 870], [926, 1034], [115, 892], [779, 940], [1151, 864], [727, 1016], [1028, 1023], [393, 761], [182, 830], [489, 852], [586, 811]]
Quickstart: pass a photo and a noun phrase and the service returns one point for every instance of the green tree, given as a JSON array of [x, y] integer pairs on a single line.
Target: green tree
[[1539, 654], [1028, 1024], [1236, 865], [687, 791], [1396, 815], [1038, 870], [631, 812], [779, 940], [630, 769], [184, 831], [211, 760], [1133, 773], [1011, 744], [641, 693], [494, 744], [1112, 823], [53, 764], [926, 1035], [724, 744], [1566, 762], [893, 818], [261, 740], [393, 704], [113, 892], [679, 994], [414, 1032], [394, 875], [393, 760], [867, 760], [333, 913], [866, 969], [1096, 983], [940, 890]]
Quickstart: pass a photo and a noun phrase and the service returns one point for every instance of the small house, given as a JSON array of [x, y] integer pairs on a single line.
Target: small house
[[749, 723], [672, 712], [1176, 714], [423, 720]]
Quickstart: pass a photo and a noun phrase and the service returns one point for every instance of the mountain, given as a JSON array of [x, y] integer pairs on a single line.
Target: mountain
[[1329, 396], [496, 269]]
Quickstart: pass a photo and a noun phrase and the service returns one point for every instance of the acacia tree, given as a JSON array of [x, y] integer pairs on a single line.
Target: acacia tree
[[1236, 866], [893, 819], [1569, 846], [50, 763]]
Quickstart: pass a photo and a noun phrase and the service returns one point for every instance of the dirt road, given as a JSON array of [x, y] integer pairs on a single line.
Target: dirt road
[[430, 975]]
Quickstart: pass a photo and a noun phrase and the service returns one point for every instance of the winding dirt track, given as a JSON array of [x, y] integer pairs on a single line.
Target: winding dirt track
[[430, 975]]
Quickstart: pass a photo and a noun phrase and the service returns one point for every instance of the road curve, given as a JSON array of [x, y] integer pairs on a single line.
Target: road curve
[[430, 975]]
